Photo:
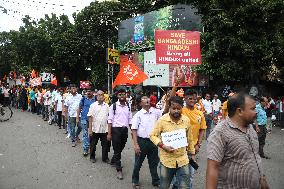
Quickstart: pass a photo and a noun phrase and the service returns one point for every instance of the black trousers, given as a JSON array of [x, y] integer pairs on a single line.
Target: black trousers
[[119, 139], [261, 139], [33, 109], [149, 149], [94, 139], [59, 118]]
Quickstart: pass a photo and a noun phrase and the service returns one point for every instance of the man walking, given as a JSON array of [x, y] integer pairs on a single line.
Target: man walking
[[197, 121], [232, 150], [119, 120], [261, 122], [208, 113], [142, 125], [174, 161], [98, 127], [47, 105], [71, 107], [83, 110]]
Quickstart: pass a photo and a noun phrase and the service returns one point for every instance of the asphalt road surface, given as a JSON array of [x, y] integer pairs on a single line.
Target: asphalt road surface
[[35, 155]]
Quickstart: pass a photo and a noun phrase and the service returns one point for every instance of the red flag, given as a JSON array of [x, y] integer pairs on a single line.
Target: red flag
[[129, 74], [54, 81], [84, 84], [35, 82]]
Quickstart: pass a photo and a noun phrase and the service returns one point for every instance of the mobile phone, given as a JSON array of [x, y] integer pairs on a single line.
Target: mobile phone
[[193, 164]]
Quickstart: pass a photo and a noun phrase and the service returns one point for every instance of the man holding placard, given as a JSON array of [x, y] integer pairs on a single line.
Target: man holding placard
[[172, 133]]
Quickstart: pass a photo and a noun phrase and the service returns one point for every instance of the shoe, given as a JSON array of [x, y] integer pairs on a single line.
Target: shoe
[[68, 136], [107, 161], [135, 186], [73, 144], [85, 153], [78, 140], [93, 160], [156, 186], [119, 175], [265, 157]]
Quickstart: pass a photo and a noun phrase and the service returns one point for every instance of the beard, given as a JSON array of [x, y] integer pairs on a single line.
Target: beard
[[176, 115]]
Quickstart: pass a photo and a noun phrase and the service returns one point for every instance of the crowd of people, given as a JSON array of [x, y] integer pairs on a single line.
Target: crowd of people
[[235, 131]]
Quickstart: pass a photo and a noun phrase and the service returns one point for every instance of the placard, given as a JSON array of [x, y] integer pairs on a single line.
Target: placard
[[177, 47], [176, 139]]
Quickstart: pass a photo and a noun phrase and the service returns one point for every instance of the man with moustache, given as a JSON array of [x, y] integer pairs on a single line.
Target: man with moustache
[[198, 123], [232, 150], [119, 120], [142, 124], [174, 161]]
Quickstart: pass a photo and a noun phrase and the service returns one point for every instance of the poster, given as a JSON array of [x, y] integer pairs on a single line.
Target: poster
[[157, 74], [113, 56], [176, 139], [177, 47]]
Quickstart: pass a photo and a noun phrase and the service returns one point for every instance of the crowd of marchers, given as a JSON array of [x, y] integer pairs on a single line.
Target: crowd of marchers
[[235, 131]]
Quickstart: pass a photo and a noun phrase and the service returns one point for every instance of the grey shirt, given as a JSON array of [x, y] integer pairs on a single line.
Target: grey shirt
[[237, 153]]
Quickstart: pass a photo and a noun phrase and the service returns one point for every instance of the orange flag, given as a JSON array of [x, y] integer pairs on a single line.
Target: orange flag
[[15, 75], [129, 74], [54, 81], [33, 74]]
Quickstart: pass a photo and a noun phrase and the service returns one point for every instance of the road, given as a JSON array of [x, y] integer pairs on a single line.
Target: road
[[35, 155]]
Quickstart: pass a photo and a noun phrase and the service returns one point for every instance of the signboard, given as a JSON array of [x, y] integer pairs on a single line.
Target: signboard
[[177, 47], [46, 77], [113, 56], [157, 74], [176, 139]]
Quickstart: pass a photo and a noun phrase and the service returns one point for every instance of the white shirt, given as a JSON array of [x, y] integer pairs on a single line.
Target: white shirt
[[47, 98], [207, 106], [59, 100], [6, 92], [144, 121], [72, 102], [216, 104], [99, 113], [38, 96], [53, 95]]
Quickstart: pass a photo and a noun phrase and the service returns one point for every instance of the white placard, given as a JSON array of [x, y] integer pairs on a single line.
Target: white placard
[[176, 139], [158, 74]]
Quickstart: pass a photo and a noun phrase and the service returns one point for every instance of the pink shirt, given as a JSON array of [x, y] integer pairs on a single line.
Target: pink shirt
[[122, 117]]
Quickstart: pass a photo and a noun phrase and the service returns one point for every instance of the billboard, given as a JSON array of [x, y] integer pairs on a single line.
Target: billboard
[[138, 33]]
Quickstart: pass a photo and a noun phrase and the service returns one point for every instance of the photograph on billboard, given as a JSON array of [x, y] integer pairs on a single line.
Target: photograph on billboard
[[138, 33]]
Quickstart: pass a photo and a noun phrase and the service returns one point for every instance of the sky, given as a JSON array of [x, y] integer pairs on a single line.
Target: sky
[[36, 9]]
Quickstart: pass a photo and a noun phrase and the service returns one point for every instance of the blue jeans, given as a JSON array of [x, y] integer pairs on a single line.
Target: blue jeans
[[72, 127], [208, 121], [85, 138], [191, 173], [167, 174]]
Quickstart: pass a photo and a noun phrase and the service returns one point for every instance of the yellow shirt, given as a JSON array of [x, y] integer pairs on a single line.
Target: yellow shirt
[[225, 109], [197, 122], [179, 156]]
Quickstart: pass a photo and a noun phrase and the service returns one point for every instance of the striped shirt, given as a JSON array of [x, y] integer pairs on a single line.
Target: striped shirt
[[237, 153]]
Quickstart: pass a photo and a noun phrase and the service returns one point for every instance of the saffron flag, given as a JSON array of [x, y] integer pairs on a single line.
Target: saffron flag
[[54, 81], [129, 74], [35, 82], [33, 74]]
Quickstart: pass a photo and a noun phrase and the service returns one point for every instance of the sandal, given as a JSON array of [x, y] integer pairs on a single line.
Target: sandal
[[135, 186]]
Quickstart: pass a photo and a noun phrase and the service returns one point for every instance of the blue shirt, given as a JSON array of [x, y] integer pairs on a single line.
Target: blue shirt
[[85, 104], [261, 117], [32, 95]]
